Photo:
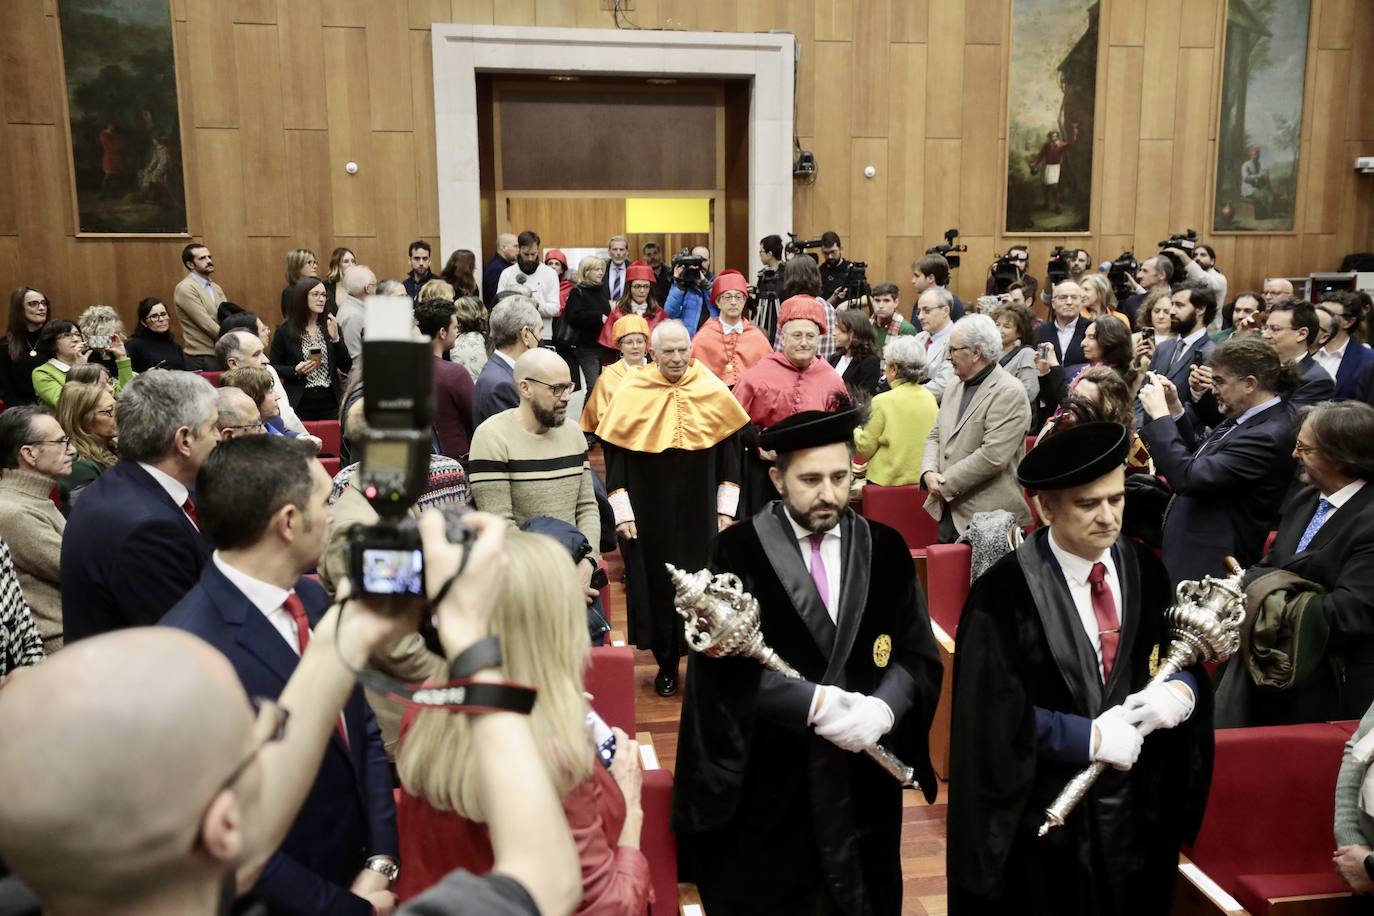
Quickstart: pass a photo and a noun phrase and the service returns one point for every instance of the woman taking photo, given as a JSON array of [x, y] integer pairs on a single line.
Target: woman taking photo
[[540, 621], [87, 415], [1105, 343], [856, 352], [588, 306], [1016, 324], [63, 346], [19, 355], [300, 265], [153, 346], [308, 354]]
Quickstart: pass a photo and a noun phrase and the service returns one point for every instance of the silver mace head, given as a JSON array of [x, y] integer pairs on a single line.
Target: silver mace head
[[721, 618], [1208, 615]]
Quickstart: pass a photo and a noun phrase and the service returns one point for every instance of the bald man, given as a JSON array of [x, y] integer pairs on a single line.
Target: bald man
[[506, 249], [238, 415], [1276, 289], [536, 434], [140, 799]]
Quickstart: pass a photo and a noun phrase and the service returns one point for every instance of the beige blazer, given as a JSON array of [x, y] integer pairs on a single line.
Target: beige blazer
[[198, 316], [979, 453]]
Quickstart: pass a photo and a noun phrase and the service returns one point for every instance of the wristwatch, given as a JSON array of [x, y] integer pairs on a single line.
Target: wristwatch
[[385, 866]]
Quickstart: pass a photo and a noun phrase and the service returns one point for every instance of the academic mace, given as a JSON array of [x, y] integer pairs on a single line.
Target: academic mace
[[1204, 626], [723, 621]]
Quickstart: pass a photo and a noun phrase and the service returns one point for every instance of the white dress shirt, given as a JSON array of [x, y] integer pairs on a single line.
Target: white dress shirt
[[732, 328], [1183, 346], [1344, 495], [830, 558], [615, 279], [173, 487], [1076, 571], [1065, 336], [266, 597], [1330, 360]]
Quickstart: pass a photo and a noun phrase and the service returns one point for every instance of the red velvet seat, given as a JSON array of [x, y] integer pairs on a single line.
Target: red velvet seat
[[610, 679], [947, 582], [902, 508], [327, 431], [211, 376], [1267, 831]]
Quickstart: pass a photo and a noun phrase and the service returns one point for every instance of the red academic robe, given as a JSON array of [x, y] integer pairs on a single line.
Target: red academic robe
[[774, 389], [729, 356]]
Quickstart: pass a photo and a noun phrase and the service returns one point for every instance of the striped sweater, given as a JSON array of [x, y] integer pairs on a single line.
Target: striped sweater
[[517, 474]]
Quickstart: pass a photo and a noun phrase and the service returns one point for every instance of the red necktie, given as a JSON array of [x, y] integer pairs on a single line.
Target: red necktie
[[293, 606], [190, 509], [1108, 623], [929, 341]]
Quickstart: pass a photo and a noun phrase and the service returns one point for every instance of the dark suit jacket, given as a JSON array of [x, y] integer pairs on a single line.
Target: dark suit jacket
[[606, 280], [1049, 333], [1348, 373], [1340, 558], [1164, 358], [491, 276], [1314, 385], [1227, 490], [861, 374], [285, 353], [350, 813], [453, 396], [495, 390], [129, 553]]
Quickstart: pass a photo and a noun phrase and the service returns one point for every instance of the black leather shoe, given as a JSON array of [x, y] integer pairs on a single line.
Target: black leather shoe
[[666, 682]]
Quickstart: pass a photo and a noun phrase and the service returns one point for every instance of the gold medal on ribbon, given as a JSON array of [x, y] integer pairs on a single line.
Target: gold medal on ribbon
[[1154, 660], [882, 650]]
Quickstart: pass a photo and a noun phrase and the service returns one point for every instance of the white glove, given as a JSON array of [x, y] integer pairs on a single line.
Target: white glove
[[1118, 742], [829, 703], [866, 720], [1158, 706]]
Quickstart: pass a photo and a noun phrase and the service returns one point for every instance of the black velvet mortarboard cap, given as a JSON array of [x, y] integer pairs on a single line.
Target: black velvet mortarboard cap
[[1075, 456], [809, 429]]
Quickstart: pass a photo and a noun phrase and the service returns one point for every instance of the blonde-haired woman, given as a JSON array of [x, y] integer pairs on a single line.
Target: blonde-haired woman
[[300, 262], [436, 289], [339, 261], [1099, 299], [588, 305], [1154, 323], [540, 620], [86, 412]]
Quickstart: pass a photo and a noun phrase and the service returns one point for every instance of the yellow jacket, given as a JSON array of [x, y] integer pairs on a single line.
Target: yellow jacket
[[894, 439]]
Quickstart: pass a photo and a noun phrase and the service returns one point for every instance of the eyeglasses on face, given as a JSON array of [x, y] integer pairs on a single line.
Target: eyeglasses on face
[[64, 441], [558, 390], [1066, 298], [37, 302], [257, 425], [802, 336], [956, 349], [734, 296]]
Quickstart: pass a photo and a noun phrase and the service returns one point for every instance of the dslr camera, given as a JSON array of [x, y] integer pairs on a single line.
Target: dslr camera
[[693, 268], [949, 251], [385, 559]]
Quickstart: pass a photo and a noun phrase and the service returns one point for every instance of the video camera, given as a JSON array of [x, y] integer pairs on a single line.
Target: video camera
[[1005, 271], [693, 268], [1184, 241], [385, 559], [854, 278], [795, 246], [949, 251], [1057, 269], [1121, 272]]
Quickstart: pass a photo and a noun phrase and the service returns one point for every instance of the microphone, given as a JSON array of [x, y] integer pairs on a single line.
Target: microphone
[[520, 278]]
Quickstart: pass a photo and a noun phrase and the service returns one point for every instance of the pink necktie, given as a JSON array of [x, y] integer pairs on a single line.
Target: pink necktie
[[818, 569]]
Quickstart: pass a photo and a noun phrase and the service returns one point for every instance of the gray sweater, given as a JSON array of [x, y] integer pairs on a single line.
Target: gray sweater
[[1353, 826], [32, 526]]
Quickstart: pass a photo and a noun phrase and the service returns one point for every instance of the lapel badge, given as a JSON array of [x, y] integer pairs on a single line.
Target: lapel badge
[[882, 650], [1154, 660]]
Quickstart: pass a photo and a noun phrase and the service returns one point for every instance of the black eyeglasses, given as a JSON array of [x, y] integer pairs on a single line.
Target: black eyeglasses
[[64, 441], [43, 302], [558, 390], [956, 349], [257, 425]]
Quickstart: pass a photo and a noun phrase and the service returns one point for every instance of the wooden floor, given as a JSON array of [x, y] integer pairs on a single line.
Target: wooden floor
[[923, 830]]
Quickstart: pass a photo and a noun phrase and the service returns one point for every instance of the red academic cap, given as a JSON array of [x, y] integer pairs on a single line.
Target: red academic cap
[[726, 280], [803, 306], [638, 270]]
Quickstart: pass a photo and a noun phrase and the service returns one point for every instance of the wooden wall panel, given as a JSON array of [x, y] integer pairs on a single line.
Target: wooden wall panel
[[278, 94]]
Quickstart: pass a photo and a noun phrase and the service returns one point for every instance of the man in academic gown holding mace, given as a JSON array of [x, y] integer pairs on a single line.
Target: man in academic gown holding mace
[[1056, 645], [672, 477], [776, 808]]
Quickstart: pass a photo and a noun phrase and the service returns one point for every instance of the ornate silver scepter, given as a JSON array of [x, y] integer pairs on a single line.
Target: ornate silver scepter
[[1204, 626], [722, 620]]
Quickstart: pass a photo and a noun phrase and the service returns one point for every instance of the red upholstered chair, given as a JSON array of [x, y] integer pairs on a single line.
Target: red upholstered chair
[[610, 679], [211, 376], [331, 465], [327, 431], [947, 584], [1267, 831], [902, 508]]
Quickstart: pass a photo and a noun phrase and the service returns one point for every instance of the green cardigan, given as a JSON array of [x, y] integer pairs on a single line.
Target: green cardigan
[[48, 380], [84, 470], [894, 439]]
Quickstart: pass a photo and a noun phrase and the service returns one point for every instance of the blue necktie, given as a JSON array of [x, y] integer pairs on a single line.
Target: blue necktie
[[1324, 508]]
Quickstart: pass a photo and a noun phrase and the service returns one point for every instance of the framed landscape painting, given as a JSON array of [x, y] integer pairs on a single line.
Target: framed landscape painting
[[1260, 127], [1051, 94], [123, 117]]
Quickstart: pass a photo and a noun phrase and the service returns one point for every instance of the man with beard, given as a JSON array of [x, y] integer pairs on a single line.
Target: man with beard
[[527, 461], [1191, 311], [531, 276], [672, 474], [776, 809], [1056, 646]]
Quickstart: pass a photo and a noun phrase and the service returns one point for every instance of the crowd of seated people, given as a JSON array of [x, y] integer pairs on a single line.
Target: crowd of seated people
[[132, 493]]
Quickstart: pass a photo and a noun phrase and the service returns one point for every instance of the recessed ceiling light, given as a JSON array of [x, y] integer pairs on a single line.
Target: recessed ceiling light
[[565, 79]]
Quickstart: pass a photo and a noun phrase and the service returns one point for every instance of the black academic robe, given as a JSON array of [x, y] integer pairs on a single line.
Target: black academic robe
[[673, 494], [1025, 679], [771, 818]]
